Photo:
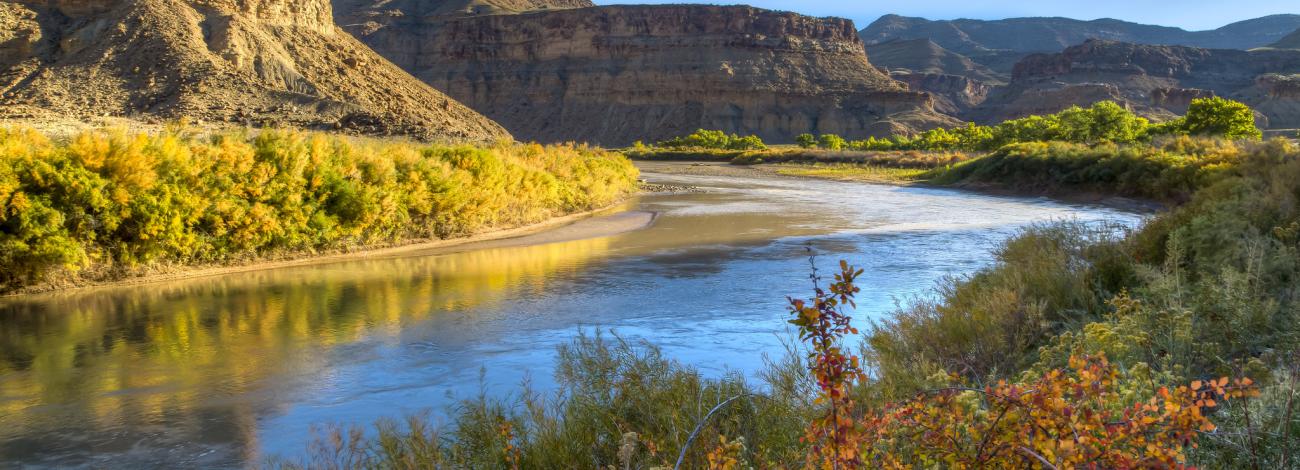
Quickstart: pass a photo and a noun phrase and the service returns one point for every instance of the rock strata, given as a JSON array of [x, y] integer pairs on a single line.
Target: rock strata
[[1155, 80], [616, 74]]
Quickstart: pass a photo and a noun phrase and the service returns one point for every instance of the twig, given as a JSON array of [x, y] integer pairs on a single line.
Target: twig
[[700, 426]]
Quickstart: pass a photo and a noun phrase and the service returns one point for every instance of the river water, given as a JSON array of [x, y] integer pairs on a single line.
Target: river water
[[225, 371]]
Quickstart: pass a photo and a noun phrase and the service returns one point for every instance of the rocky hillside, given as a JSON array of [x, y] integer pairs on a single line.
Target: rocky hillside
[[616, 74], [1291, 41], [927, 57], [237, 61], [1159, 81]]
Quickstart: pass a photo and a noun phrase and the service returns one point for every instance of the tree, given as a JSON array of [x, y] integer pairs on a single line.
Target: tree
[[806, 141], [830, 142], [1217, 116]]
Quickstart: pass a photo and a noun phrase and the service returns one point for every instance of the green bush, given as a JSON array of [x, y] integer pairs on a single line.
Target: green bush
[[716, 140], [830, 142], [806, 141], [109, 203], [1215, 116]]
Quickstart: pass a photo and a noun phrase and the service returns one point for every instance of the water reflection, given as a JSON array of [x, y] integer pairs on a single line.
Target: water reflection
[[147, 363], [222, 371]]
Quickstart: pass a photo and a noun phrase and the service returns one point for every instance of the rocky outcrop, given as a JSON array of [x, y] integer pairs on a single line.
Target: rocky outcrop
[[616, 74], [992, 43], [926, 57], [1155, 80], [241, 61], [954, 95]]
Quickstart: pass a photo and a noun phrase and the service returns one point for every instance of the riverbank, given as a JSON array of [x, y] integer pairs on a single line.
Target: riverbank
[[607, 221], [111, 204], [893, 177]]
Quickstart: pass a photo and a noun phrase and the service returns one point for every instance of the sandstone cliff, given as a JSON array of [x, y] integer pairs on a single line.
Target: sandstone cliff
[[241, 61], [1156, 80], [616, 74]]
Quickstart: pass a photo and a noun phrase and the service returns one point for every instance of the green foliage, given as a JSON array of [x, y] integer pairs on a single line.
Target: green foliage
[[716, 140], [1215, 116], [1105, 122], [830, 142], [806, 141], [1169, 171], [108, 203]]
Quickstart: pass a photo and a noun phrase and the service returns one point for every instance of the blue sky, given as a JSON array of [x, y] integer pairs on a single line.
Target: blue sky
[[1194, 15]]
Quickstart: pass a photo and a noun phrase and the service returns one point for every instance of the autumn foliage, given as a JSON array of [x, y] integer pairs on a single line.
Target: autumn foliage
[[1073, 418]]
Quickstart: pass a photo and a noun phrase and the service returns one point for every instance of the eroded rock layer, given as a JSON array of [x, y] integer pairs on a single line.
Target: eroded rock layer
[[616, 74], [1158, 81], [242, 61]]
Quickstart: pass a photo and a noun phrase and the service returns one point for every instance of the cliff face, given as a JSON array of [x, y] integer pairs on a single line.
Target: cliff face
[[242, 61], [954, 95], [616, 74], [1156, 80]]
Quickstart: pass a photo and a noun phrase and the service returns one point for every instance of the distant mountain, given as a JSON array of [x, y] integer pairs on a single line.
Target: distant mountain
[[991, 42], [1292, 41], [925, 56]]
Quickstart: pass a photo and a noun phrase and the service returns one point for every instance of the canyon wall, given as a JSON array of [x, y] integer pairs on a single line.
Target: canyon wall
[[616, 74]]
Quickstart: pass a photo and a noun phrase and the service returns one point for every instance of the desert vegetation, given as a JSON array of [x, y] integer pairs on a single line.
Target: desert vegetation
[[109, 203]]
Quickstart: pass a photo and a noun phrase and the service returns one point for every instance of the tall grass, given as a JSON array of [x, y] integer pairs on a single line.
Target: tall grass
[[620, 404], [109, 203]]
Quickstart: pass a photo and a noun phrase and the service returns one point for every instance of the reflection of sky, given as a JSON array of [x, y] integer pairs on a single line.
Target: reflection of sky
[[206, 370], [1192, 15]]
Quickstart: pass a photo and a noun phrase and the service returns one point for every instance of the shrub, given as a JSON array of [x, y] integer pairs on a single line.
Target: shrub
[[830, 142], [806, 141], [108, 203], [1218, 117], [716, 140]]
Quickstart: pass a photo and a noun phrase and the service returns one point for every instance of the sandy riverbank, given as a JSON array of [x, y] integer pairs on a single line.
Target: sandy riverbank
[[775, 170]]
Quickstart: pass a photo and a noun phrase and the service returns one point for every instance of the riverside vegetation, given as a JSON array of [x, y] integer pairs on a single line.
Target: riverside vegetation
[[1103, 148], [108, 204], [1173, 345]]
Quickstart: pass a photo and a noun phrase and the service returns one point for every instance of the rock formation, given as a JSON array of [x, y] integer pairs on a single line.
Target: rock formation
[[926, 57], [616, 74], [1155, 80], [241, 61]]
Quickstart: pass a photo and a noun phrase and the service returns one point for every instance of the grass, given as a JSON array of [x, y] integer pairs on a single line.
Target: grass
[[854, 172]]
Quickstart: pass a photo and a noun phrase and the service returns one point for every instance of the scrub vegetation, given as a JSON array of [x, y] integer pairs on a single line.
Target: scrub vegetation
[[1172, 345], [108, 204]]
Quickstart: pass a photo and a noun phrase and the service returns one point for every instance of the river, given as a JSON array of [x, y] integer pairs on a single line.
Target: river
[[225, 371]]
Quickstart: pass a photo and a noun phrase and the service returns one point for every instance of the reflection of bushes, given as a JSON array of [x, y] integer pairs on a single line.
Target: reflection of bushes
[[117, 203]]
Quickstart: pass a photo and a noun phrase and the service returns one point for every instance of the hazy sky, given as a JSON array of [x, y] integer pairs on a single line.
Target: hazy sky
[[1194, 15]]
